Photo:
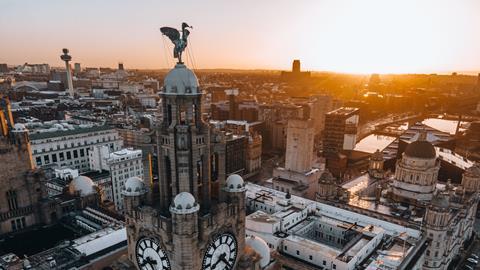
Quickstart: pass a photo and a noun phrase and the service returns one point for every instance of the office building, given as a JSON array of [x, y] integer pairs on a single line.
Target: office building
[[67, 145], [121, 164], [298, 176]]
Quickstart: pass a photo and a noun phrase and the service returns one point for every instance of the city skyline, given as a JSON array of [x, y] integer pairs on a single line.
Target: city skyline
[[339, 36], [148, 135]]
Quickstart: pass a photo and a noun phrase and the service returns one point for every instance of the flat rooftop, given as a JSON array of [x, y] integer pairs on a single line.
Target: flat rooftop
[[344, 111]]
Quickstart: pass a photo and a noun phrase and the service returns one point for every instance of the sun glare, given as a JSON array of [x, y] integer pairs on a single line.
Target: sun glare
[[406, 36]]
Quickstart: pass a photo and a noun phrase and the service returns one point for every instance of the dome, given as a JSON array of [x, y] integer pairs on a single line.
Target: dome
[[134, 186], [19, 128], [82, 184], [234, 183], [421, 149], [181, 80], [261, 247], [184, 203]]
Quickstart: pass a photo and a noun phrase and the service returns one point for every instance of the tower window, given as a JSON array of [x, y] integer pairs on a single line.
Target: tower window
[[169, 114], [12, 200]]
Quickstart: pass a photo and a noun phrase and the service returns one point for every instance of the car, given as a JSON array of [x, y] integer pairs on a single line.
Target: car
[[475, 256], [469, 267], [472, 260]]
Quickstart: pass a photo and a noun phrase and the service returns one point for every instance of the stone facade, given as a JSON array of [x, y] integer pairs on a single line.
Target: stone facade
[[23, 196], [193, 202], [416, 173]]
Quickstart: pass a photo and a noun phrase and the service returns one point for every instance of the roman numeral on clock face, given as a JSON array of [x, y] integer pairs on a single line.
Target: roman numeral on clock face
[[221, 253], [150, 255]]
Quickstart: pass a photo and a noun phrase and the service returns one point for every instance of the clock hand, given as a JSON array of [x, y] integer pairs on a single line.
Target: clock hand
[[145, 261], [223, 259], [219, 260]]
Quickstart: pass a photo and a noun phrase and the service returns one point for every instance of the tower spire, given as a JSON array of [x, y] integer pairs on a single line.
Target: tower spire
[[67, 58]]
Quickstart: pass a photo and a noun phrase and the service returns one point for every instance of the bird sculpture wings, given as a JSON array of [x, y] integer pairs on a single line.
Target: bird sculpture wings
[[179, 42], [171, 33]]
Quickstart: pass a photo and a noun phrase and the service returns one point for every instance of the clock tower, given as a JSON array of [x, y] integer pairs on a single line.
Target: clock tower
[[194, 217]]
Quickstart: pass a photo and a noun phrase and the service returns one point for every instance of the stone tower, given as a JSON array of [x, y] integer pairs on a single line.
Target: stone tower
[[437, 220], [471, 179], [197, 218], [23, 195], [299, 154], [375, 165]]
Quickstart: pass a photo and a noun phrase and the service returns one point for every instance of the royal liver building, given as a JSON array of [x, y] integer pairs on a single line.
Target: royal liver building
[[194, 218]]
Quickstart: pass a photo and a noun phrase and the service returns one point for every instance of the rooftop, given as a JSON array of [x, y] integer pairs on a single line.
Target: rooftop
[[344, 111], [74, 131]]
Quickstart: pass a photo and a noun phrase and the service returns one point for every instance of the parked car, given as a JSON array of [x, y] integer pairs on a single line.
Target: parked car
[[475, 256]]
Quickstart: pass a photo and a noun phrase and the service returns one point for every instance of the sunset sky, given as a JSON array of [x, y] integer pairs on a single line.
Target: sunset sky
[[383, 36]]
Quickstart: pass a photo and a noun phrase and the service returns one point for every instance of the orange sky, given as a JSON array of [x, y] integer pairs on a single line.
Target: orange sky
[[364, 36]]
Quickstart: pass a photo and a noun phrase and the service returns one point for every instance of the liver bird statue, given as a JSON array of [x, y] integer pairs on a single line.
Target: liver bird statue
[[179, 42]]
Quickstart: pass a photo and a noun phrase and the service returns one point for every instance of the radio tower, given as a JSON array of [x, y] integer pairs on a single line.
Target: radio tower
[[67, 58]]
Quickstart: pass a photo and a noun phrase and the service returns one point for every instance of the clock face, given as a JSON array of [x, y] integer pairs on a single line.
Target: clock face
[[221, 253], [150, 256]]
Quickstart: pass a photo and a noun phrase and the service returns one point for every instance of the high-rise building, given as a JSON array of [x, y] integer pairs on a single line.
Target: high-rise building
[[195, 217], [231, 94], [298, 177], [121, 164], [77, 69], [339, 136], [299, 154], [321, 105], [340, 130]]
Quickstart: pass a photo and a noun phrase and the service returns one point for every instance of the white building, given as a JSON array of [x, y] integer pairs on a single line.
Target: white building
[[122, 165], [298, 177], [68, 145], [311, 235], [147, 100]]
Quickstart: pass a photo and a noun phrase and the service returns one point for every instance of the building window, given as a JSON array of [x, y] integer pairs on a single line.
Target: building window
[[285, 248], [82, 152], [46, 158], [54, 157], [62, 156], [69, 155], [38, 160], [75, 154], [334, 266], [311, 258], [12, 200]]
